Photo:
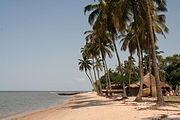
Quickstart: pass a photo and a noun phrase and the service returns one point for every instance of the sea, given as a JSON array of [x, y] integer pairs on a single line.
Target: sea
[[16, 103]]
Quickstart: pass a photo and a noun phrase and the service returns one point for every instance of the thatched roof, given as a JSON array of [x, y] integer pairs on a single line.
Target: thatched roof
[[146, 81], [163, 84]]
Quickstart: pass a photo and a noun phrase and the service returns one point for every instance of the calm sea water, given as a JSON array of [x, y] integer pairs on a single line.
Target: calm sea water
[[23, 102]]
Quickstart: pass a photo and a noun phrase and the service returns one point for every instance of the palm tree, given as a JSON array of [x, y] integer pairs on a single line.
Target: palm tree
[[85, 65], [107, 16], [99, 43], [131, 42], [103, 48], [129, 9], [137, 20], [129, 68], [98, 66], [146, 4], [101, 18], [89, 53]]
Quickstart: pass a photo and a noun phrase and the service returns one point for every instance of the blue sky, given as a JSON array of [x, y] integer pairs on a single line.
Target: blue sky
[[40, 43]]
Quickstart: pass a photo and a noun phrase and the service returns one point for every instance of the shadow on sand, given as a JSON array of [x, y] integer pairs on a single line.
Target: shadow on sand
[[85, 102], [161, 118]]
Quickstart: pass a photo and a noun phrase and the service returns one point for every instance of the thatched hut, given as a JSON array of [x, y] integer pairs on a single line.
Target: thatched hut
[[149, 80]]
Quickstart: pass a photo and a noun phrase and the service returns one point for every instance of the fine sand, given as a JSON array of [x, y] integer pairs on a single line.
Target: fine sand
[[89, 106]]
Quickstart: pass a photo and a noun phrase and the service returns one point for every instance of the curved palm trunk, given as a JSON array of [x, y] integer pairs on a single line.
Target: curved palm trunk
[[149, 68], [89, 79], [97, 88], [91, 76], [119, 64], [139, 52], [151, 89], [141, 72], [160, 99], [98, 77], [108, 76], [149, 71], [99, 81], [92, 81], [106, 73], [95, 77], [129, 84]]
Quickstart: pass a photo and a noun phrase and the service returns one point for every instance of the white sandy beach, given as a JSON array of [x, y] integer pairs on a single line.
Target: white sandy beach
[[89, 106]]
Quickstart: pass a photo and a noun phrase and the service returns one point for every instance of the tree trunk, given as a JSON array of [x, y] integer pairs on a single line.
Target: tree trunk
[[151, 89], [139, 52], [98, 76], [119, 64], [141, 72], [108, 76], [160, 99], [99, 81], [105, 74], [97, 88], [149, 68], [150, 78], [89, 79], [92, 81], [94, 71], [91, 76], [129, 84]]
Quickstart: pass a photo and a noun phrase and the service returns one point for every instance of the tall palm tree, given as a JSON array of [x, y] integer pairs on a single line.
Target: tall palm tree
[[100, 44], [133, 10], [85, 65], [146, 4], [98, 66], [89, 53], [103, 48], [111, 15], [131, 41], [101, 18]]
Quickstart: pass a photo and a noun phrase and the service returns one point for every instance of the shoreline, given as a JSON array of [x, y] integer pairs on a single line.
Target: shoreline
[[36, 112], [16, 115], [89, 106]]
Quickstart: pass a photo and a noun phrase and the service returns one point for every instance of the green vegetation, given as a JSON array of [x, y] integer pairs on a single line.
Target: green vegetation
[[130, 74], [170, 68], [169, 72], [136, 24]]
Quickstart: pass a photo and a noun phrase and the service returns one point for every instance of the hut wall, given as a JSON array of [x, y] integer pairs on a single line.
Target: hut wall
[[134, 91], [146, 92], [154, 93]]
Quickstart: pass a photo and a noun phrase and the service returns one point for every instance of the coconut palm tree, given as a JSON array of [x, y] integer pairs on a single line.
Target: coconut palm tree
[[148, 18], [98, 66], [130, 10], [85, 65], [104, 49], [130, 68], [99, 43], [101, 18], [111, 15], [93, 54]]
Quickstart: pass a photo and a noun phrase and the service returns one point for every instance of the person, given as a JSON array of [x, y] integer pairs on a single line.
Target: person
[[164, 91], [171, 93]]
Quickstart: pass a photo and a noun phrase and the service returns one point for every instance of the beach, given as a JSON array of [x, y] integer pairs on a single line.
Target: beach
[[89, 106]]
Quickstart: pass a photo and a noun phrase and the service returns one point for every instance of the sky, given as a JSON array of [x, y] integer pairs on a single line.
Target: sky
[[40, 43]]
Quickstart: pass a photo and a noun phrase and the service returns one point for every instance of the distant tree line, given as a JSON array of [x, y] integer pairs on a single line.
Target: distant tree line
[[169, 72]]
